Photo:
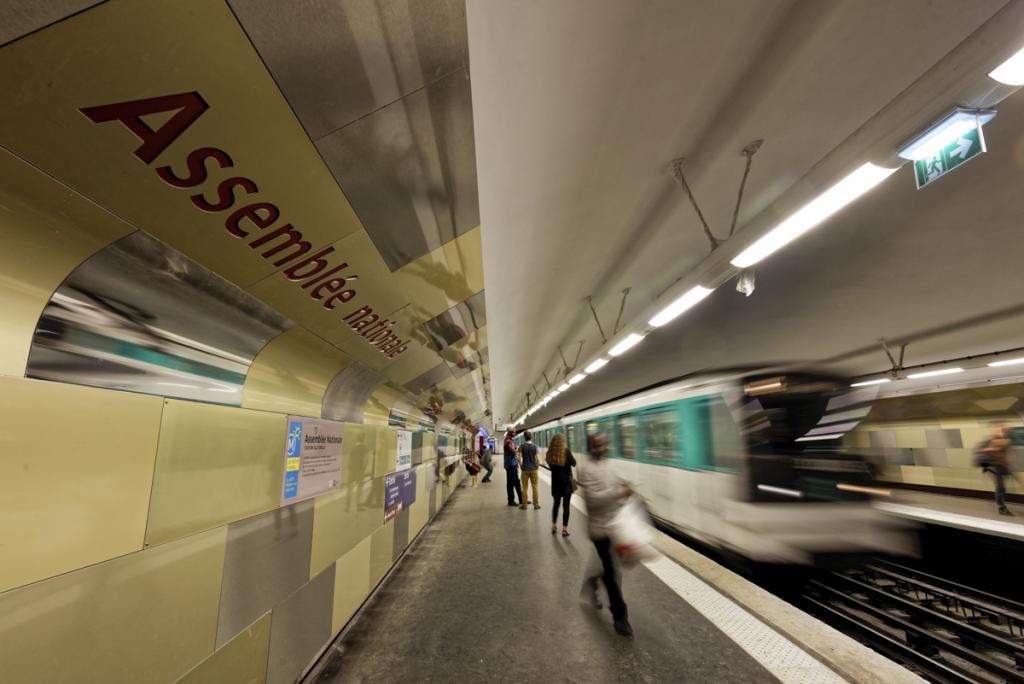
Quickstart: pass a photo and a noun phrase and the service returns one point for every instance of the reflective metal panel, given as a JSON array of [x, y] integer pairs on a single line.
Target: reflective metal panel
[[348, 392], [409, 170], [267, 558], [20, 17], [337, 60], [432, 377], [142, 317], [457, 322], [300, 627]]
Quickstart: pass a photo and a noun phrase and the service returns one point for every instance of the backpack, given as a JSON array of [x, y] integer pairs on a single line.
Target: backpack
[[982, 458]]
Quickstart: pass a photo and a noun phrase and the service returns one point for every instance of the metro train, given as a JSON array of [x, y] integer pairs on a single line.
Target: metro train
[[749, 463]]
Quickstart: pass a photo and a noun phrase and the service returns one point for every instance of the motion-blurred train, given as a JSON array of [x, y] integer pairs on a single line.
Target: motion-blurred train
[[750, 463]]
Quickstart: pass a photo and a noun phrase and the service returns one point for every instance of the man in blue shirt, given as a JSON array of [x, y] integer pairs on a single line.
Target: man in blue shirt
[[531, 471], [512, 488]]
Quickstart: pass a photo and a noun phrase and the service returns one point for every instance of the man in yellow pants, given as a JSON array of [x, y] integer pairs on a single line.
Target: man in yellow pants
[[530, 465]]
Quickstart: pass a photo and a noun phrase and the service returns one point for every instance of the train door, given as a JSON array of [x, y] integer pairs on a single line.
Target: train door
[[662, 452]]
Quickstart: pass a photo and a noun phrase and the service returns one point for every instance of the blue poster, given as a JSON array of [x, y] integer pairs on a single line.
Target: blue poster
[[293, 460], [399, 492]]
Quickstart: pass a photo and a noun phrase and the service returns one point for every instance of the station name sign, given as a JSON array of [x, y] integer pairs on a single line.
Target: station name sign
[[255, 222]]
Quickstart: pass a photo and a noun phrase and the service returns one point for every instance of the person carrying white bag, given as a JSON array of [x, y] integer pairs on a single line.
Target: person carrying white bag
[[605, 494]]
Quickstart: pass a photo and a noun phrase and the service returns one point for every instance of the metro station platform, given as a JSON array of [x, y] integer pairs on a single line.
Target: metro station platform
[[487, 593], [969, 514]]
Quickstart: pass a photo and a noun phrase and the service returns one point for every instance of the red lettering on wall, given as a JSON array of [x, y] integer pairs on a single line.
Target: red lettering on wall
[[189, 107], [196, 167], [225, 194], [252, 213], [316, 261]]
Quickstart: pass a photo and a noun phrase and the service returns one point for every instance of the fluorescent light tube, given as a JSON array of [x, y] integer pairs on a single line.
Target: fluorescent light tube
[[577, 378], [1010, 72], [781, 490], [1006, 362], [955, 124], [691, 298], [564, 386], [813, 213], [931, 374], [625, 345], [596, 366], [818, 438], [876, 381]]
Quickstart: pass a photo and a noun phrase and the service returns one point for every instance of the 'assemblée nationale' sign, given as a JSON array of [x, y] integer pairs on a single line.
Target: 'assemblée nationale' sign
[[253, 219]]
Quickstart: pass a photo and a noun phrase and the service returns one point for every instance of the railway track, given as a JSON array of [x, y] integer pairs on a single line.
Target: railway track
[[945, 631]]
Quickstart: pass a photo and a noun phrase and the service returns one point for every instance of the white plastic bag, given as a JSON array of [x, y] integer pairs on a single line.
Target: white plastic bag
[[631, 533]]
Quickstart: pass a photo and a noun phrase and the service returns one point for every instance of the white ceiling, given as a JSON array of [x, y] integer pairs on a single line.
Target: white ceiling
[[579, 107]]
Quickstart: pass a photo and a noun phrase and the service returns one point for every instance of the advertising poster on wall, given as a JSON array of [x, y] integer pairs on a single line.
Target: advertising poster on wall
[[404, 458], [399, 492], [312, 458]]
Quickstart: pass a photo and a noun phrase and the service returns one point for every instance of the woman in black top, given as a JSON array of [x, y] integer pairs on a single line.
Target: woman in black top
[[560, 460]]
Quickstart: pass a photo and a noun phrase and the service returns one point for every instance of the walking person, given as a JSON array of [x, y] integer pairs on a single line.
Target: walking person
[[472, 465], [531, 471], [993, 457], [561, 462], [485, 461], [512, 486], [605, 493]]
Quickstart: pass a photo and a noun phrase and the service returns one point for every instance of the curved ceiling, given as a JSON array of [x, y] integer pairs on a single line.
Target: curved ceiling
[[580, 110]]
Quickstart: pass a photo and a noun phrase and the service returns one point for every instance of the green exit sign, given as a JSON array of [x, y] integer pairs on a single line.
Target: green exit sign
[[966, 146]]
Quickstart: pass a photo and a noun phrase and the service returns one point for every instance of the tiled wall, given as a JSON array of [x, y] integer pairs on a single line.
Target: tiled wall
[[140, 538], [936, 454]]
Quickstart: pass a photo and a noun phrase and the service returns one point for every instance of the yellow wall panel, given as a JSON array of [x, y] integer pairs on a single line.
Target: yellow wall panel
[[351, 584], [359, 452], [911, 439], [243, 660], [77, 466], [291, 374], [46, 231], [146, 617], [419, 512], [382, 549], [921, 475], [387, 451], [343, 519], [214, 465], [378, 406], [446, 276], [412, 364]]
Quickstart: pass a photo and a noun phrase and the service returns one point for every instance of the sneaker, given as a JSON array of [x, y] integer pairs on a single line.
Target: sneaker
[[554, 528], [512, 503], [522, 507], [565, 531], [536, 506], [588, 593], [624, 628], [1005, 511]]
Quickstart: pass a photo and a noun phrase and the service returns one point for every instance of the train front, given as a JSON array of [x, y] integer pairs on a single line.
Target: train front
[[806, 498]]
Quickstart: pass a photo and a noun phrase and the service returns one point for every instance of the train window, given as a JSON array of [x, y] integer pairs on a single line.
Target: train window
[[727, 443], [661, 435], [570, 434], [627, 435]]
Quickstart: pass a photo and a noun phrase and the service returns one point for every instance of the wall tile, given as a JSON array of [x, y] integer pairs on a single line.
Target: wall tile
[[267, 559], [149, 616], [214, 465], [77, 467], [351, 583], [243, 660], [382, 547], [301, 626], [345, 518], [359, 453]]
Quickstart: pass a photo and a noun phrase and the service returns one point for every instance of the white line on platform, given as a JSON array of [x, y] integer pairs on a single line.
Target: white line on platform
[[965, 522], [777, 654]]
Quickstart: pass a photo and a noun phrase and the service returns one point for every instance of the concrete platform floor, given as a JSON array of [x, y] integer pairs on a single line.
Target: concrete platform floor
[[488, 594]]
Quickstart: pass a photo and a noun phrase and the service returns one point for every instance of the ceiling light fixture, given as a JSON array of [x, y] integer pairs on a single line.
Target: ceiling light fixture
[[625, 345], [931, 374], [865, 383], [1006, 362], [947, 130], [817, 210], [690, 299], [577, 378], [1010, 72], [564, 386], [818, 438], [596, 365]]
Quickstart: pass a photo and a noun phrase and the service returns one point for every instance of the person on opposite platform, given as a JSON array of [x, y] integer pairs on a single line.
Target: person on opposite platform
[[531, 471], [994, 458], [485, 461], [561, 462], [605, 493], [512, 487]]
